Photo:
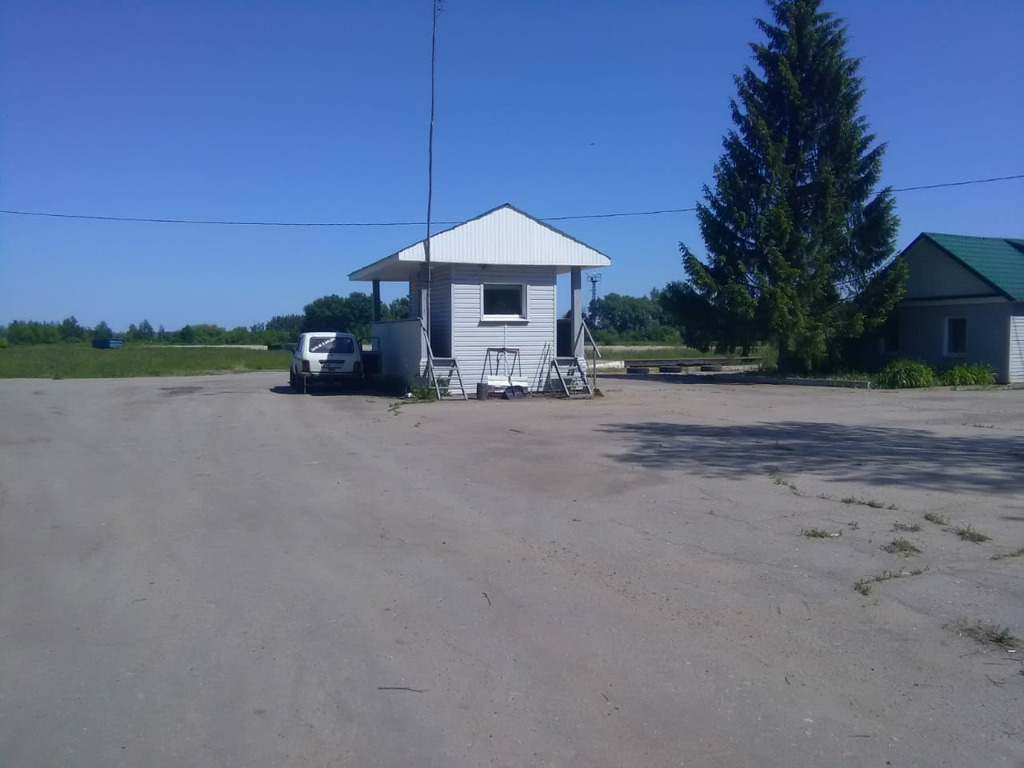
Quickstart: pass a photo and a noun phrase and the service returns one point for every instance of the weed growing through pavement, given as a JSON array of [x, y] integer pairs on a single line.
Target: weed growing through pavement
[[901, 546], [1004, 555], [776, 476], [967, 533], [864, 585], [988, 634], [904, 527], [935, 517], [818, 533], [874, 504]]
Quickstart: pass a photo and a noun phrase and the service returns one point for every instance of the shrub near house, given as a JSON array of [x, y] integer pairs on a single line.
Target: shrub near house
[[912, 374]]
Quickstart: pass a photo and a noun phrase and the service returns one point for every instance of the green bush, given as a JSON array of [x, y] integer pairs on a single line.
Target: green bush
[[905, 374], [968, 375], [423, 391]]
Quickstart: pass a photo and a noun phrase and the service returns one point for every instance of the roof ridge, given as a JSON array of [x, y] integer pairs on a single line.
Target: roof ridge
[[973, 237]]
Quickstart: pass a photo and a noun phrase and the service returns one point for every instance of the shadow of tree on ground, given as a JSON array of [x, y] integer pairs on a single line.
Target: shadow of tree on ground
[[874, 455]]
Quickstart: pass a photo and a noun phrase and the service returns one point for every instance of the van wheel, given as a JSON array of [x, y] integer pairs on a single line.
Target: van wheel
[[293, 380]]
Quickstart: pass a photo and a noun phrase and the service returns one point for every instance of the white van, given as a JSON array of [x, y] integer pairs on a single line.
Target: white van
[[325, 356]]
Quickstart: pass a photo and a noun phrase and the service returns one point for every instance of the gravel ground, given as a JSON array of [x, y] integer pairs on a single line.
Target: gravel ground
[[212, 571]]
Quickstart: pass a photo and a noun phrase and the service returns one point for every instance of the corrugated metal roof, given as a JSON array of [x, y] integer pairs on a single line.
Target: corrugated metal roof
[[997, 260], [504, 235]]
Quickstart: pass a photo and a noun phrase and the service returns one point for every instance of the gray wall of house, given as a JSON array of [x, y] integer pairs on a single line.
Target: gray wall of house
[[402, 348], [471, 335], [934, 274], [922, 335]]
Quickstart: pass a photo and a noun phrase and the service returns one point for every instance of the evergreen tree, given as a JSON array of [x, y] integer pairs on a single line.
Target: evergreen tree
[[797, 241]]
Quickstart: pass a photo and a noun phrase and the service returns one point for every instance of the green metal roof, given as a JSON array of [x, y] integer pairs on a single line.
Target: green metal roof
[[997, 260]]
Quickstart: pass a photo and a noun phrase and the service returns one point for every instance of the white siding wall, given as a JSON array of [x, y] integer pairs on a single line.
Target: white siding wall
[[534, 337], [1016, 362], [934, 274]]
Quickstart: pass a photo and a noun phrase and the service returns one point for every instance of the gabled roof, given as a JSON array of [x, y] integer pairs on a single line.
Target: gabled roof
[[999, 261], [503, 235]]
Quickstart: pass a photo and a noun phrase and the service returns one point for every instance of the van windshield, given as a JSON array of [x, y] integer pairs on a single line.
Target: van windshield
[[324, 345]]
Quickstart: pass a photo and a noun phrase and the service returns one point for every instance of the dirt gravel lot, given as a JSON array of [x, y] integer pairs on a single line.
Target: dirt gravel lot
[[211, 571]]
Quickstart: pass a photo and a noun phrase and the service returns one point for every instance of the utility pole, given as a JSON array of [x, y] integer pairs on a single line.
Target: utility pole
[[436, 8]]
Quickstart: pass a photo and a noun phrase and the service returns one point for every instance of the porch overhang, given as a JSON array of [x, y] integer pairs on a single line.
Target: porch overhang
[[405, 266], [390, 269]]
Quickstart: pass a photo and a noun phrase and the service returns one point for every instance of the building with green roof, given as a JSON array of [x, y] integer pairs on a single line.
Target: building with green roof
[[964, 304]]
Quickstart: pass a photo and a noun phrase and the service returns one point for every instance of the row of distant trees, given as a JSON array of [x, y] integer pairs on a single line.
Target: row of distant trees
[[614, 319], [353, 313], [618, 319]]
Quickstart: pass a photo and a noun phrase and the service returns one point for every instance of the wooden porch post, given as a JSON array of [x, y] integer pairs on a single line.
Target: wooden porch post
[[376, 300]]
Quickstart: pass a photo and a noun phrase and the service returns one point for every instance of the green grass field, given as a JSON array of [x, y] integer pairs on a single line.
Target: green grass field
[[76, 361]]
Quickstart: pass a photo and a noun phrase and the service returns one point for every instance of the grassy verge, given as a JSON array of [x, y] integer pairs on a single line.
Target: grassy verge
[[72, 361], [653, 352], [834, 376]]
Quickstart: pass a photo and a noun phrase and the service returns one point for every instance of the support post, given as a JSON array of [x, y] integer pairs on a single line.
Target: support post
[[423, 286], [577, 311], [376, 300]]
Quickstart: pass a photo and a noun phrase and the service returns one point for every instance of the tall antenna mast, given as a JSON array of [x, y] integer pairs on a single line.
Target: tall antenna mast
[[594, 278], [436, 7]]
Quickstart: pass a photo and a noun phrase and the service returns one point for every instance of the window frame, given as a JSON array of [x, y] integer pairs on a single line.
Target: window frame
[[946, 351], [524, 294]]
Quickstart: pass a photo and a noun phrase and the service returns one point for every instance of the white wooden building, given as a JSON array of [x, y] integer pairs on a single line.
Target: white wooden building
[[493, 310]]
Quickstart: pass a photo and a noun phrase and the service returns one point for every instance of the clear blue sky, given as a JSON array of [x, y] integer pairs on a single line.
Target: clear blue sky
[[317, 111]]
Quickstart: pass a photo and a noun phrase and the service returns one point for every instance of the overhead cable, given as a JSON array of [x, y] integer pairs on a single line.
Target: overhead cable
[[623, 214]]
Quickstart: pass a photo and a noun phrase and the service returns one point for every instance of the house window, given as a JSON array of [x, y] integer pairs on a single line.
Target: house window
[[504, 301], [956, 336], [889, 341]]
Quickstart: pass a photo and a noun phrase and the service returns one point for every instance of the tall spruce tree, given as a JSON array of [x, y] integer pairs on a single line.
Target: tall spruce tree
[[797, 241]]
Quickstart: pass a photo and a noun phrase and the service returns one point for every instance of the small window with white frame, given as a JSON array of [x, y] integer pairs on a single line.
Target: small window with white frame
[[956, 336], [503, 301]]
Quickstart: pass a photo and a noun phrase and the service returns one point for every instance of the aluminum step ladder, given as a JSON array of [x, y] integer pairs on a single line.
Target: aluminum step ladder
[[442, 373], [572, 375], [445, 378]]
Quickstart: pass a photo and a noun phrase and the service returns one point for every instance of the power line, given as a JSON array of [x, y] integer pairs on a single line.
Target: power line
[[617, 215], [959, 183], [226, 223], [143, 220]]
